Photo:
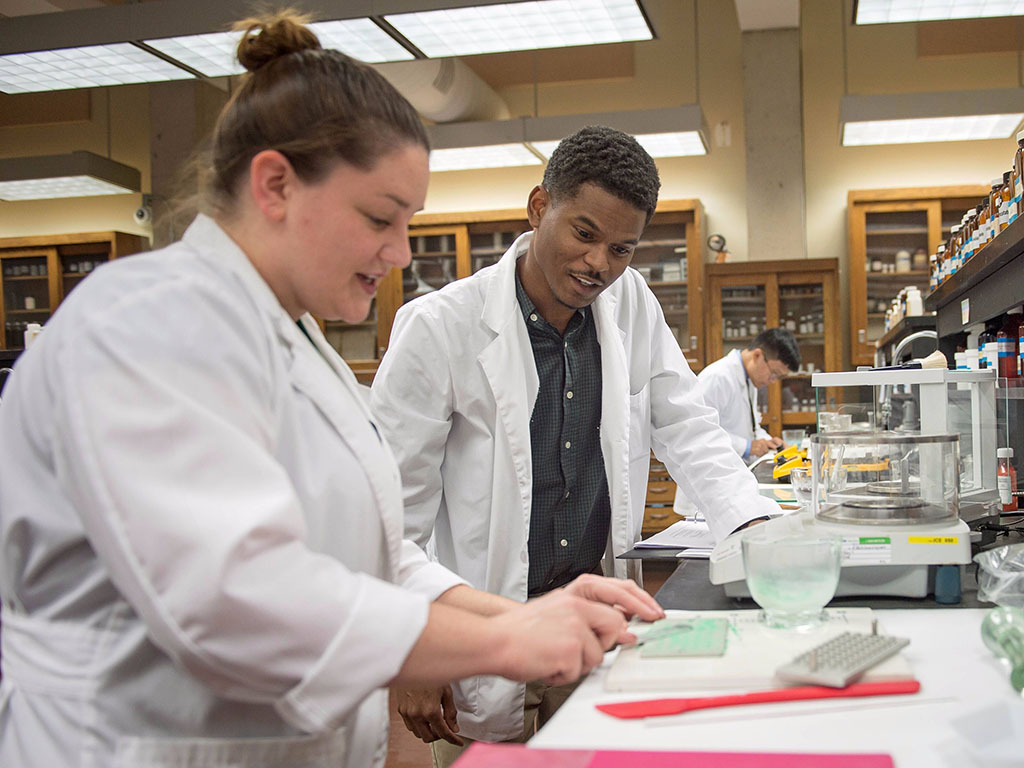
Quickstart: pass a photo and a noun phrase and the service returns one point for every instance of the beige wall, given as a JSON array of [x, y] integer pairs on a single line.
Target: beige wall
[[664, 76], [881, 59], [129, 144]]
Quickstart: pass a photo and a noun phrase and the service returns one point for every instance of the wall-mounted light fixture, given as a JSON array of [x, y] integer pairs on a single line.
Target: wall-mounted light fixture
[[78, 174], [902, 11], [177, 39], [668, 132], [910, 118]]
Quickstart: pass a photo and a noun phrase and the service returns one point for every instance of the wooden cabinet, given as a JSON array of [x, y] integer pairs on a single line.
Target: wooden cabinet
[[36, 273], [882, 224], [661, 494], [450, 246], [801, 295]]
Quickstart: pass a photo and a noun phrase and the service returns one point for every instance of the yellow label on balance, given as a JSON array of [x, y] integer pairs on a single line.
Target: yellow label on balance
[[933, 539]]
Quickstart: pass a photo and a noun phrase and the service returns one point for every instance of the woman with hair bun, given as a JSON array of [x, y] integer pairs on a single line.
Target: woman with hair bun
[[200, 526]]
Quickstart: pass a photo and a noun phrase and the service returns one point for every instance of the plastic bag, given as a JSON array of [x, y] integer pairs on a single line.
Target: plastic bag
[[1001, 575]]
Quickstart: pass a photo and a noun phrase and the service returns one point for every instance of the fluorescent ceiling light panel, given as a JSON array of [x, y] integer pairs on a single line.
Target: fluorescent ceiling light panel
[[925, 129], [361, 39], [899, 11], [213, 54], [61, 186], [682, 144], [663, 132], [78, 174], [672, 144], [89, 67], [912, 118], [522, 26], [471, 158]]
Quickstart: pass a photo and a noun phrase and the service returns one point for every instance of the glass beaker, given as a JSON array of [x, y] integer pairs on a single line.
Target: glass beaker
[[792, 577]]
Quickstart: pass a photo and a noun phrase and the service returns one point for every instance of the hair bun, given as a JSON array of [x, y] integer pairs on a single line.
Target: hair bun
[[265, 38]]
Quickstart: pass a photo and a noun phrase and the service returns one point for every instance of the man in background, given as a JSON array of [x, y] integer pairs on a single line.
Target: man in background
[[730, 387]]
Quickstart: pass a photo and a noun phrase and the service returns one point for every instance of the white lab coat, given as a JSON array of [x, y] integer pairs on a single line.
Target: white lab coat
[[198, 526], [454, 395], [727, 388]]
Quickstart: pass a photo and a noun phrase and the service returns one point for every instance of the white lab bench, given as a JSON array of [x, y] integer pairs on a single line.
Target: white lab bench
[[957, 673]]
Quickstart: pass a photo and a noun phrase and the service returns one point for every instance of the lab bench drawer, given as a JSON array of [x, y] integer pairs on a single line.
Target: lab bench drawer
[[661, 492], [658, 519]]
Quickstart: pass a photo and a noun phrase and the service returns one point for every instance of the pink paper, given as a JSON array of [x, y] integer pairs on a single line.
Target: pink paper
[[482, 755]]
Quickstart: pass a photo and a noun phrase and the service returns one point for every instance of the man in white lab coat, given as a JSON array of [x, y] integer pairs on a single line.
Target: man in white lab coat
[[522, 404], [730, 387]]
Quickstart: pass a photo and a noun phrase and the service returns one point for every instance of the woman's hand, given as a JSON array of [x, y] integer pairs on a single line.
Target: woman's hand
[[556, 638]]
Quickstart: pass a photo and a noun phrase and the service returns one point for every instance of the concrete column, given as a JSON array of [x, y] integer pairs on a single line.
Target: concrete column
[[774, 141], [181, 117]]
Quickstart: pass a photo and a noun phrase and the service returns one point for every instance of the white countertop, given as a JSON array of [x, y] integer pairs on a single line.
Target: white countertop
[[957, 673]]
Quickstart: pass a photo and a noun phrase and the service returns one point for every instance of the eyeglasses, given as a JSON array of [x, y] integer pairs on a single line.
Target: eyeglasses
[[776, 370]]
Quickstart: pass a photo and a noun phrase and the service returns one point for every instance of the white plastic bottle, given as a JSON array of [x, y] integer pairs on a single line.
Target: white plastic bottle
[[915, 305], [32, 330]]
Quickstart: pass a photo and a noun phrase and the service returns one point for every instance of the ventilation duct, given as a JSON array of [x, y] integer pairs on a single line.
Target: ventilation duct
[[444, 90]]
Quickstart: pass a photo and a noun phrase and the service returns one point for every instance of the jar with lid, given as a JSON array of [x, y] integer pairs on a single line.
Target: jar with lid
[[1018, 176], [987, 347], [1006, 479], [915, 306], [1007, 340], [902, 261]]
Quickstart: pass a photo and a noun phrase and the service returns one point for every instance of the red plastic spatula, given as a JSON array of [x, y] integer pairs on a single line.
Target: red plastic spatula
[[655, 707]]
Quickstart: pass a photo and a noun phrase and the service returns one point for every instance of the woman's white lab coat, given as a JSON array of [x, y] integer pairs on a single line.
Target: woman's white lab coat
[[454, 395], [198, 527]]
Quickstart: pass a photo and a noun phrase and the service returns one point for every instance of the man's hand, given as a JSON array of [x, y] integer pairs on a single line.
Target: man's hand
[[761, 446], [429, 713]]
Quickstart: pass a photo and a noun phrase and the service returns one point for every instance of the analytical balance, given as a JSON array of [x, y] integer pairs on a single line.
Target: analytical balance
[[893, 500]]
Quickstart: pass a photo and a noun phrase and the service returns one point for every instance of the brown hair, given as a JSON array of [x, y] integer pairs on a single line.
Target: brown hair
[[312, 105]]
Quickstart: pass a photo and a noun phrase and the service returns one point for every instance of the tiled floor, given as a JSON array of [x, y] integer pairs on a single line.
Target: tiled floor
[[406, 751]]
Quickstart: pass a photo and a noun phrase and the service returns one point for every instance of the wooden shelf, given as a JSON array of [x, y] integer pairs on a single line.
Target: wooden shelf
[[25, 277], [799, 418], [667, 283], [670, 243], [44, 311], [872, 231], [788, 296], [898, 275]]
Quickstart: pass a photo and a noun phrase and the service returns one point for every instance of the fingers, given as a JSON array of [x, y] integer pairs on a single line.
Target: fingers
[[430, 714], [626, 638], [605, 622], [627, 595], [419, 728], [451, 721]]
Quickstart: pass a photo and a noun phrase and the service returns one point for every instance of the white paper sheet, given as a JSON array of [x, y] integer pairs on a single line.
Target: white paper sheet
[[685, 533]]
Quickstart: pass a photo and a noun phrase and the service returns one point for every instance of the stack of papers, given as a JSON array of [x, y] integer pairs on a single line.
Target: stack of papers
[[691, 536]]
